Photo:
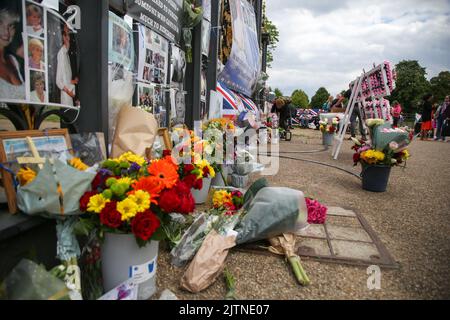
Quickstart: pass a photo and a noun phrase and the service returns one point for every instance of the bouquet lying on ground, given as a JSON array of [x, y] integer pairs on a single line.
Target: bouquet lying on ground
[[388, 146], [326, 127], [132, 195], [259, 219]]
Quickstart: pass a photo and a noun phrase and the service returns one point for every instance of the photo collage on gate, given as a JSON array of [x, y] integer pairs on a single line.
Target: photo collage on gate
[[39, 55], [152, 71]]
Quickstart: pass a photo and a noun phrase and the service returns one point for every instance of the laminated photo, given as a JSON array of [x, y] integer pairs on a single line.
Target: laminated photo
[[12, 81], [153, 57], [63, 78], [178, 65], [121, 47]]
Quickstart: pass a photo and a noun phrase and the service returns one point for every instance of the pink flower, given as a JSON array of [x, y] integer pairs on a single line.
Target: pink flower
[[317, 212]]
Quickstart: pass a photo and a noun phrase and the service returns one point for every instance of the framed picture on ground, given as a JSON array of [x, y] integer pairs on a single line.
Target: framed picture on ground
[[16, 151]]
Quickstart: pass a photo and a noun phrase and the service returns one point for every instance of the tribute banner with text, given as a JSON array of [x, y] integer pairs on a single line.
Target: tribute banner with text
[[164, 17], [242, 69]]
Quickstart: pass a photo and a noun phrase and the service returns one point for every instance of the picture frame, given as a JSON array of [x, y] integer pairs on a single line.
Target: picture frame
[[53, 140]]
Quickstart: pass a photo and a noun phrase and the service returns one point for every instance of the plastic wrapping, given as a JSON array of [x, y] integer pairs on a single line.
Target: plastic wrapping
[[168, 295], [273, 211], [39, 197], [30, 281], [192, 239], [383, 134], [89, 147]]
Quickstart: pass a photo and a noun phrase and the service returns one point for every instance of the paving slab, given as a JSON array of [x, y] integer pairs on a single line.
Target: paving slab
[[343, 221], [348, 249], [338, 211], [348, 233], [314, 231], [311, 247]]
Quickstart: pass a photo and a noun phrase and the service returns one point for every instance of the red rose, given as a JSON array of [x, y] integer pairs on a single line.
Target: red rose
[[189, 180], [188, 168], [187, 204], [166, 153], [99, 181], [182, 188], [356, 158], [84, 200], [169, 200], [206, 172], [109, 216], [145, 224], [198, 184]]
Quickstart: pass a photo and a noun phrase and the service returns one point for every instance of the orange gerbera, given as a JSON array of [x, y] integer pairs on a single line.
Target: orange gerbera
[[171, 160], [152, 185], [164, 171]]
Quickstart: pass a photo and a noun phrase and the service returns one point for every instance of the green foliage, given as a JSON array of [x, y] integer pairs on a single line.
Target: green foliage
[[272, 30], [278, 93], [411, 85], [345, 101], [440, 86], [300, 99], [230, 282], [319, 98]]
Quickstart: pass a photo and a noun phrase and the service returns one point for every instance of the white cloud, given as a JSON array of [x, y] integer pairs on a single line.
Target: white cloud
[[328, 43]]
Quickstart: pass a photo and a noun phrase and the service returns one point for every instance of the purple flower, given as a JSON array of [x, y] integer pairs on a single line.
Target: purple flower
[[105, 172], [134, 167]]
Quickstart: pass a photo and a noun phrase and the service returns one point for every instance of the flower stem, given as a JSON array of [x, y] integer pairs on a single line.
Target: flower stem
[[299, 272]]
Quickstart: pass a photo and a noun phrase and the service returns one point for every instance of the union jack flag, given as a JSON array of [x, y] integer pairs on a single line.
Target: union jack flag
[[232, 103]]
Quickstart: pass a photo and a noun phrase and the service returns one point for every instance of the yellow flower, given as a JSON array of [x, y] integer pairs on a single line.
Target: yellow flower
[[126, 180], [142, 200], [78, 164], [97, 203], [131, 157], [220, 197], [25, 175], [406, 154], [127, 208], [372, 156], [203, 163]]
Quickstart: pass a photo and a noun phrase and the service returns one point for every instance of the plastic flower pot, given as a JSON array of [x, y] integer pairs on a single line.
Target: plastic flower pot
[[327, 139], [375, 177], [123, 259], [201, 195], [218, 180]]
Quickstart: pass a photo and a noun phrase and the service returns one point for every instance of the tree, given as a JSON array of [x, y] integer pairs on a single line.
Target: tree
[[300, 99], [440, 86], [272, 30], [345, 101], [319, 98], [278, 93], [411, 85]]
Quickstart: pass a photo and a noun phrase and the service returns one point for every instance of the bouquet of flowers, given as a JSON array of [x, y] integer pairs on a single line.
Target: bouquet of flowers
[[325, 127], [229, 201], [392, 155], [220, 124], [132, 195]]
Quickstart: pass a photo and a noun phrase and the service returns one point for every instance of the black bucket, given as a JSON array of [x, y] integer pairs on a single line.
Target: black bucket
[[375, 178]]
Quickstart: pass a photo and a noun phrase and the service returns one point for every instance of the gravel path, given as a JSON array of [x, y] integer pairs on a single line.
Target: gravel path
[[412, 219]]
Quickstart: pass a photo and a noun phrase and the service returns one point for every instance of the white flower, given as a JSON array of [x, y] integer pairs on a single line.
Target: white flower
[[393, 145]]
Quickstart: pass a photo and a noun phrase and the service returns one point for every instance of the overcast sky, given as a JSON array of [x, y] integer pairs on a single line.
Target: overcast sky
[[328, 42]]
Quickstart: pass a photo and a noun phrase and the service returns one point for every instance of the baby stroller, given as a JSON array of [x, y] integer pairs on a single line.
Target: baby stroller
[[285, 131]]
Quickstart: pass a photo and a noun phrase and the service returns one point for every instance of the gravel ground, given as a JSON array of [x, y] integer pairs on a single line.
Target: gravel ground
[[411, 219]]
